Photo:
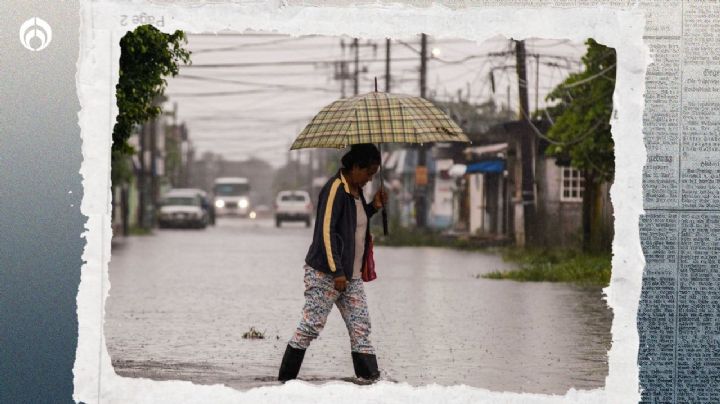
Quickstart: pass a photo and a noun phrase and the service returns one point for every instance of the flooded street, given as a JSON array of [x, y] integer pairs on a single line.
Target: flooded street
[[180, 301]]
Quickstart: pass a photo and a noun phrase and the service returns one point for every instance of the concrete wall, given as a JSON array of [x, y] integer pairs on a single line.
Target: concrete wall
[[559, 223]]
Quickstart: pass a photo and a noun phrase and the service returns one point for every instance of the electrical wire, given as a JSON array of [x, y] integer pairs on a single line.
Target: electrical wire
[[591, 78], [287, 63], [244, 34], [236, 93], [265, 73], [250, 83], [221, 117], [575, 140], [248, 45], [216, 94]]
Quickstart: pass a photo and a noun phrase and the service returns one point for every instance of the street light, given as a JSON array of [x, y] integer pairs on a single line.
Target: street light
[[435, 52]]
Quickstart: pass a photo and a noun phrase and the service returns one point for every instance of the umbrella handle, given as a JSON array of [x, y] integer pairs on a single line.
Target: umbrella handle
[[382, 187]]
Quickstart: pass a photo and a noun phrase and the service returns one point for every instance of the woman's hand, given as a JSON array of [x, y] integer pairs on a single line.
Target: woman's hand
[[380, 199], [340, 283]]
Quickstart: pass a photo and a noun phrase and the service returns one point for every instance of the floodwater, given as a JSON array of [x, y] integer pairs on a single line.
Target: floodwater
[[180, 301]]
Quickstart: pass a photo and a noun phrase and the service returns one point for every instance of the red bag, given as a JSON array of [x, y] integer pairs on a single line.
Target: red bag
[[368, 272]]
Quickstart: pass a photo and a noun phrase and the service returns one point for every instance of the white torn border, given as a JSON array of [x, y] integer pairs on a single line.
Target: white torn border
[[94, 377]]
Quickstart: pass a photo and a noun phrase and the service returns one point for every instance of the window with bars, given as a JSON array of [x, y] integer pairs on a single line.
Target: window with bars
[[572, 185]]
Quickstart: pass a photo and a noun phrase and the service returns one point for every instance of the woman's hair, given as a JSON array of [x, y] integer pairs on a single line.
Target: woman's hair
[[362, 155]]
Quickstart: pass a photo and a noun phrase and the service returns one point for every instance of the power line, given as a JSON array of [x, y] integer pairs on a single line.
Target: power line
[[217, 93], [242, 82], [454, 62], [274, 102], [266, 73], [246, 92], [241, 136], [248, 45], [575, 140], [221, 117], [268, 100], [222, 124], [284, 63], [375, 60], [247, 34], [557, 43], [587, 79]]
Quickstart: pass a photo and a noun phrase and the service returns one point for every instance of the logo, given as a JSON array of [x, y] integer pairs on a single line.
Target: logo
[[35, 34]]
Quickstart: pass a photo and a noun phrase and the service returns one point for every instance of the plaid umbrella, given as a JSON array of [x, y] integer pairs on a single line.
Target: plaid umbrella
[[378, 117]]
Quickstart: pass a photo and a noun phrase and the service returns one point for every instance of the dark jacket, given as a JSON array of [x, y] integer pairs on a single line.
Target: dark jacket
[[333, 246]]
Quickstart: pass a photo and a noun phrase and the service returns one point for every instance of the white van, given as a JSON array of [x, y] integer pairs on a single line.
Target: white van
[[231, 196]]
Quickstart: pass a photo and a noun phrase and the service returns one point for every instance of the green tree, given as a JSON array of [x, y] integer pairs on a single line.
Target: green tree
[[147, 57], [580, 133]]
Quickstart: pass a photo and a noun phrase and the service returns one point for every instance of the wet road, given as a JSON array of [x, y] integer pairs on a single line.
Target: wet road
[[180, 301]]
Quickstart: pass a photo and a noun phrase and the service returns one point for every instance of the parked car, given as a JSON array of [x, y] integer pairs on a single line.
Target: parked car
[[293, 206], [205, 202], [183, 208]]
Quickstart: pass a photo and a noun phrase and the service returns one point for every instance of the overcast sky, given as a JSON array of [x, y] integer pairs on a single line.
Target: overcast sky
[[277, 83]]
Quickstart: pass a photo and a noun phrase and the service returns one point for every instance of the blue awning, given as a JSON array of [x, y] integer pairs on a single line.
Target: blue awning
[[487, 166]]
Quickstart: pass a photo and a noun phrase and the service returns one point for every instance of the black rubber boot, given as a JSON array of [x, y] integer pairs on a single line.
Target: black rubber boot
[[365, 366], [291, 362]]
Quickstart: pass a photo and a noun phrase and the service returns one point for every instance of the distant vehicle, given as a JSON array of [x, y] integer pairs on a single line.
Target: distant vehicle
[[205, 201], [293, 206], [183, 208], [231, 196]]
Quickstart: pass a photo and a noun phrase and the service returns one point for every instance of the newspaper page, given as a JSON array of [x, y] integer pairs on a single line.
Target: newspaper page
[[677, 318], [679, 337]]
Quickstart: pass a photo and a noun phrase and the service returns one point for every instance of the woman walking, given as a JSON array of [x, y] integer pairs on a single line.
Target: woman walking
[[334, 264]]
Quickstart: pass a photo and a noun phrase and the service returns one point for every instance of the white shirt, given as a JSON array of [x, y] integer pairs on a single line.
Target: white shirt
[[360, 230]]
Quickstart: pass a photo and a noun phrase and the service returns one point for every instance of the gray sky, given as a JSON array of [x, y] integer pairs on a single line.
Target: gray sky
[[258, 106]]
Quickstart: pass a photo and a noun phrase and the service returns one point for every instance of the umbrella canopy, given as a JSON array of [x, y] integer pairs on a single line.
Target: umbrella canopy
[[378, 117]]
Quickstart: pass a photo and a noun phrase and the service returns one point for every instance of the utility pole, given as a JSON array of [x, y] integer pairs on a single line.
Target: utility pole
[[356, 75], [142, 136], [153, 169], [537, 82], [387, 65], [342, 73], [341, 68], [509, 107], [527, 149], [423, 64], [190, 168], [421, 170]]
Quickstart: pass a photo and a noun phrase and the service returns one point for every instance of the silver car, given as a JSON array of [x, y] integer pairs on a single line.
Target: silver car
[[183, 208], [293, 206]]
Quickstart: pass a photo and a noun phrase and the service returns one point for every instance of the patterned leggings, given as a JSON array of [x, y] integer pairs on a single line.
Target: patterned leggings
[[320, 294]]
